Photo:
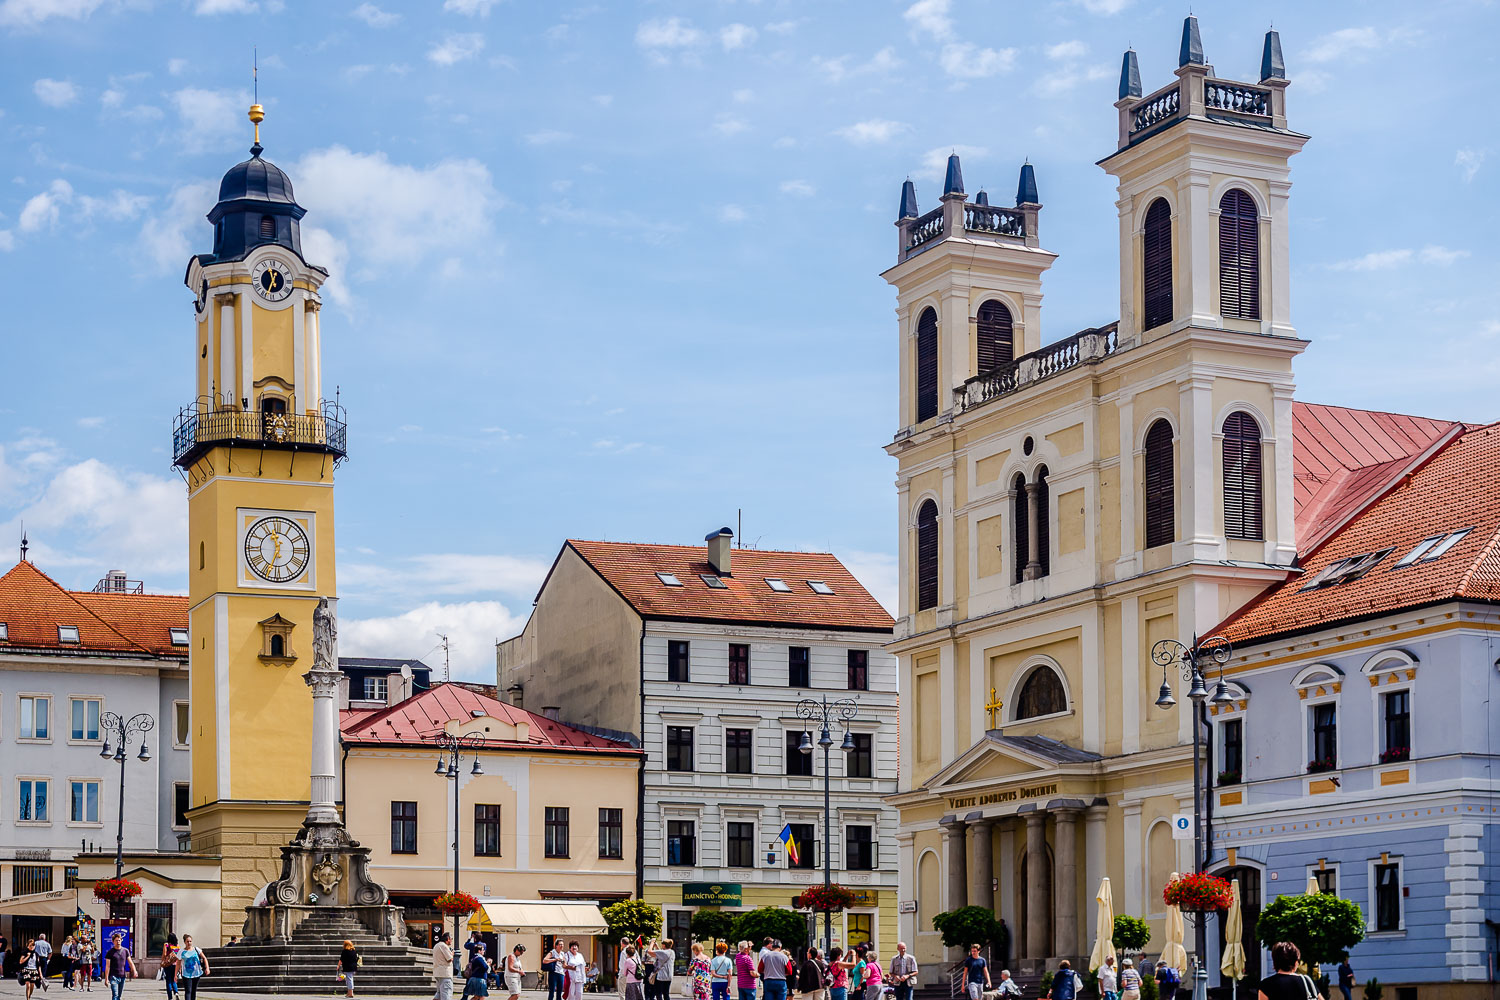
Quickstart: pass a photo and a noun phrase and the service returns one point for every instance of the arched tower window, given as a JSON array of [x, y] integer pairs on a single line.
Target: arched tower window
[[927, 366], [1242, 477], [1043, 529], [267, 227], [996, 339], [278, 645], [1020, 530], [1239, 255], [1156, 273], [1161, 493], [1042, 694], [927, 556]]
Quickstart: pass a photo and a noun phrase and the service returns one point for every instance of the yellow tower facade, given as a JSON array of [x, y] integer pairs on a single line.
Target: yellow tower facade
[[257, 448]]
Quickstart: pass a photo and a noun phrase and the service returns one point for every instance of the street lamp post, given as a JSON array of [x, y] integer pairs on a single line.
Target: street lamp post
[[1190, 660], [450, 754], [825, 715], [112, 725]]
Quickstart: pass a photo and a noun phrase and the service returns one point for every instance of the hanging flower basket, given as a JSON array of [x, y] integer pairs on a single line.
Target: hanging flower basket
[[1196, 892], [456, 904], [825, 899], [117, 890]]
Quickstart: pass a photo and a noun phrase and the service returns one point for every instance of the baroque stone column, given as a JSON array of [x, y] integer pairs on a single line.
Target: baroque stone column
[[323, 678], [1033, 516], [1036, 885], [953, 838], [1065, 881], [982, 870]]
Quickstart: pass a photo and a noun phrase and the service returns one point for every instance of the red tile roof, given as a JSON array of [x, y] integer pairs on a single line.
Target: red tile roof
[[33, 605], [1458, 488], [631, 568], [417, 721]]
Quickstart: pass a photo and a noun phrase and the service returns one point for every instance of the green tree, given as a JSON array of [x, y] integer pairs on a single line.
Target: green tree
[[712, 925], [632, 918], [787, 926], [970, 925], [1131, 933], [1321, 925]]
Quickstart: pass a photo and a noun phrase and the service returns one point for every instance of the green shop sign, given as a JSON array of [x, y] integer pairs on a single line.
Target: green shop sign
[[711, 894]]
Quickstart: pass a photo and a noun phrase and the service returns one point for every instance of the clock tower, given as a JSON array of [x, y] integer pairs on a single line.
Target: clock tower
[[258, 448]]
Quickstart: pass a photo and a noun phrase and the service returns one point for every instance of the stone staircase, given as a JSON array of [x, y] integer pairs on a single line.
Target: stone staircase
[[309, 962]]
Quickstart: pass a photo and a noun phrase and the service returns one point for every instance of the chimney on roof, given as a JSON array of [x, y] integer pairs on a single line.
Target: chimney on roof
[[719, 545]]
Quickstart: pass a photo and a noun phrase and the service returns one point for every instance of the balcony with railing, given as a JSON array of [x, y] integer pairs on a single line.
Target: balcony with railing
[[203, 426], [1082, 348], [1196, 95], [987, 222]]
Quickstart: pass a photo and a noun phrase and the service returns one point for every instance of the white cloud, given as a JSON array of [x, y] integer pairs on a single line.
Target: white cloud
[[210, 118], [472, 628], [374, 16], [1341, 43], [935, 161], [111, 99], [1468, 161], [843, 68], [25, 13], [546, 137], [41, 210], [55, 93], [322, 248], [1063, 51], [968, 61], [931, 17], [737, 36], [470, 8], [178, 229], [743, 96], [456, 47], [872, 131], [7, 241], [208, 8], [176, 67], [90, 423], [1383, 260], [801, 189], [445, 574], [728, 124], [603, 100], [732, 213], [117, 206], [783, 27], [667, 33], [1110, 7], [1441, 256]]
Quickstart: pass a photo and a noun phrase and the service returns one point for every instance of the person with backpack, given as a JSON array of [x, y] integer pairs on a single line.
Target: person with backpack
[[1067, 984], [1168, 979]]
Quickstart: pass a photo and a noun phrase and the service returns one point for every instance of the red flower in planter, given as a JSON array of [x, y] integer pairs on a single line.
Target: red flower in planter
[[456, 904], [117, 890], [825, 899], [1197, 892]]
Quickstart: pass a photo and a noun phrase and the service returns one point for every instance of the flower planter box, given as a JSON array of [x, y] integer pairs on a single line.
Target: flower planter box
[[1395, 755], [1198, 893], [1319, 766]]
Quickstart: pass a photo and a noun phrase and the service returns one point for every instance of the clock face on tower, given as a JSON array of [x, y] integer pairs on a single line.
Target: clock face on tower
[[277, 549], [272, 280]]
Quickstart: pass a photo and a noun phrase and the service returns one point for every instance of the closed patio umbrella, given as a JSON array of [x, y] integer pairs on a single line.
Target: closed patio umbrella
[[1233, 964], [1312, 885], [1173, 953], [1104, 928]]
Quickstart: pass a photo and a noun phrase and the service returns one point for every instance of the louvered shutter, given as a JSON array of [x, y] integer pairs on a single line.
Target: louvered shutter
[[927, 556], [1242, 477], [1157, 271], [1161, 495], [996, 339], [1239, 256], [267, 227], [1020, 531], [927, 366], [1043, 529]]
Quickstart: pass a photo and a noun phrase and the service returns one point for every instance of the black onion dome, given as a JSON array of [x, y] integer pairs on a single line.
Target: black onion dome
[[256, 206], [259, 179]]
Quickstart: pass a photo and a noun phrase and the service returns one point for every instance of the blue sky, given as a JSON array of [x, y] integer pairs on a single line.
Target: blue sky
[[611, 270]]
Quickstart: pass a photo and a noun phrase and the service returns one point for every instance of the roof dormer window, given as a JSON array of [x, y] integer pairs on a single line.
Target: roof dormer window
[[67, 633], [819, 587], [179, 636], [777, 585], [669, 579]]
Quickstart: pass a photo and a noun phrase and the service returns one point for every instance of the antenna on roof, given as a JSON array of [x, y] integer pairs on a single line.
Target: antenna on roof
[[24, 543], [445, 656], [739, 523]]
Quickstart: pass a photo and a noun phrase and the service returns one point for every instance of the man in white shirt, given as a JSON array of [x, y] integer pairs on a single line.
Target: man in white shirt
[[1008, 986], [442, 968], [903, 972]]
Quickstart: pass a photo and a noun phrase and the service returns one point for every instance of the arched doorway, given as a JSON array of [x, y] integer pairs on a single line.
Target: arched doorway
[[1250, 896]]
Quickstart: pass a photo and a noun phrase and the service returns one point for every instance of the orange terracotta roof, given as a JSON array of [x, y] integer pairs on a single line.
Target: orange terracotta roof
[[33, 605], [1458, 488], [418, 720], [631, 568]]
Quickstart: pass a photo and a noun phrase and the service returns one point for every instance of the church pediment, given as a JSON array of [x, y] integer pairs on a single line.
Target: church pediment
[[1007, 759], [993, 765]]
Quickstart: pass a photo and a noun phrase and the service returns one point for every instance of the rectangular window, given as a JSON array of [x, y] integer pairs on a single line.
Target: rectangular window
[[27, 879], [181, 803], [486, 831], [31, 803], [807, 846], [739, 663], [682, 843], [739, 751], [1388, 897], [859, 848], [1327, 879], [158, 926], [374, 689], [35, 710], [679, 748], [1325, 735], [85, 718], [740, 845], [556, 832], [181, 725], [84, 802], [1396, 707], [403, 828], [862, 758], [798, 672], [1233, 770], [677, 660], [861, 928], [611, 833], [798, 764], [680, 929], [859, 670]]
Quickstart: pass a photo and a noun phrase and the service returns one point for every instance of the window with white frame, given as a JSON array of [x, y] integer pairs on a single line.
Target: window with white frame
[[31, 801], [181, 725], [1327, 877], [181, 803], [35, 717], [85, 712], [375, 689], [1388, 896], [1318, 687], [83, 802], [1231, 740]]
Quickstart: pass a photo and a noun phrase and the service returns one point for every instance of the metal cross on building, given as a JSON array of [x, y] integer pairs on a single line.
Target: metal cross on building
[[993, 707]]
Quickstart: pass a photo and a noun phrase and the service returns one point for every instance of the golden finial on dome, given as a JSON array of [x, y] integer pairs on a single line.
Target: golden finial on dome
[[257, 113]]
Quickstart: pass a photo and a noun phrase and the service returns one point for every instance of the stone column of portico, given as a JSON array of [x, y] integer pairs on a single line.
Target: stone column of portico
[[982, 867], [1065, 879], [953, 840], [1034, 559], [1036, 887]]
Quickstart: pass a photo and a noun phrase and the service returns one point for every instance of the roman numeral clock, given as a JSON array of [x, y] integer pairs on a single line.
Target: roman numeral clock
[[276, 549]]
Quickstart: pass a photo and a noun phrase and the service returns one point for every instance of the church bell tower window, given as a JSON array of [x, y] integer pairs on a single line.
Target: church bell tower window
[[267, 227], [927, 556], [1239, 255], [1161, 492], [995, 337], [927, 366], [1157, 261]]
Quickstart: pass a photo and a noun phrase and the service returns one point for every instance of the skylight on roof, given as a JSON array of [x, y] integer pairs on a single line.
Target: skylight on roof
[[670, 579], [67, 633], [4, 633], [714, 582], [1346, 570], [777, 585], [1446, 544], [1416, 553], [819, 587], [1432, 547], [179, 636]]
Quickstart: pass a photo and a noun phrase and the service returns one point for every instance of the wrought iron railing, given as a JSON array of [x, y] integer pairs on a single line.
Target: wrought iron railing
[[1238, 98], [924, 230], [202, 426], [1159, 107], [1088, 345], [989, 219]]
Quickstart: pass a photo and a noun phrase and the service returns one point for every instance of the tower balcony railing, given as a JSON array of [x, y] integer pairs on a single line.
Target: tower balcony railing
[[1081, 348], [203, 425], [1012, 225], [1196, 93]]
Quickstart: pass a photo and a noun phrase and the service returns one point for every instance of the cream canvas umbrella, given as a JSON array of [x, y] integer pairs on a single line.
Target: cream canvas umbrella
[[1233, 964], [1104, 928], [1312, 885], [1173, 953]]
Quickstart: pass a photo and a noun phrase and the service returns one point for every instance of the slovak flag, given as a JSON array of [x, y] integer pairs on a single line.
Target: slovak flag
[[791, 845]]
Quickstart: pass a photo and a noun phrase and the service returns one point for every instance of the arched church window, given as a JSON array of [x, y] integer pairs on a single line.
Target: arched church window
[[1156, 273], [1043, 528], [1242, 477], [267, 227], [1020, 530], [1161, 492], [1042, 694], [927, 366], [1239, 255], [927, 556], [996, 339]]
